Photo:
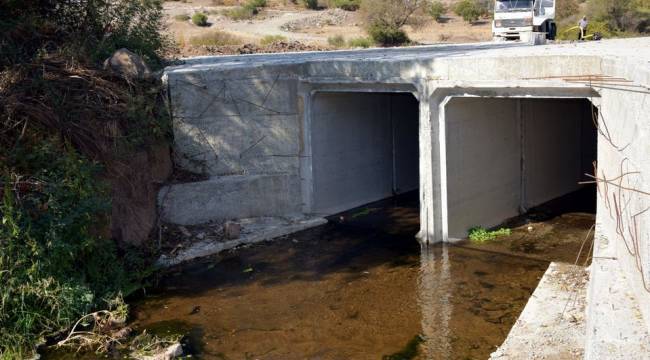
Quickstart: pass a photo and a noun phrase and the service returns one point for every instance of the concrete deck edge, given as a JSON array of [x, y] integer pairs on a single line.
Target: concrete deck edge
[[552, 325]]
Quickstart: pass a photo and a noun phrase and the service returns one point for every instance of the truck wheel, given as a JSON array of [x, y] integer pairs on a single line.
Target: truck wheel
[[552, 31]]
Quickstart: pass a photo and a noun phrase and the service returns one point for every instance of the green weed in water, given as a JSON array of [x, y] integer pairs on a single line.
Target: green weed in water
[[479, 234]]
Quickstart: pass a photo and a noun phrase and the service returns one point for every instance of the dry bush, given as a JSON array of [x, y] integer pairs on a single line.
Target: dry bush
[[215, 38]]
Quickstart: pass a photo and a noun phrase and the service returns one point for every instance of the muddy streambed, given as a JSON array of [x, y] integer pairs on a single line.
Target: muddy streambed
[[360, 287]]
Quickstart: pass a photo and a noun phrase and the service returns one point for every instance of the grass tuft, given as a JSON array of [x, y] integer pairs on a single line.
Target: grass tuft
[[270, 39], [182, 17], [215, 38]]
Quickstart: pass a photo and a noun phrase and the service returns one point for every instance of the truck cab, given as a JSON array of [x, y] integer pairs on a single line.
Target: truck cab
[[513, 18]]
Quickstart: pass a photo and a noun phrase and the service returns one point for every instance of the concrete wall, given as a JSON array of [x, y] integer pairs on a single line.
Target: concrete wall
[[553, 148], [505, 155], [624, 193], [364, 148], [405, 115], [244, 134], [483, 163]]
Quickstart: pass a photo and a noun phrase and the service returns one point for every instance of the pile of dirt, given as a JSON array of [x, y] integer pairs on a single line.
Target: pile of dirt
[[276, 47], [331, 17]]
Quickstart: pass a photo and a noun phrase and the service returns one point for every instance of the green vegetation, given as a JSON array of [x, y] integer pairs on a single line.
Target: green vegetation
[[256, 3], [246, 11], [310, 4], [470, 10], [437, 11], [409, 352], [349, 5], [215, 38], [566, 9], [337, 41], [360, 42], [619, 18], [479, 234], [570, 32], [200, 19], [241, 13], [387, 35], [385, 19], [270, 39], [64, 122]]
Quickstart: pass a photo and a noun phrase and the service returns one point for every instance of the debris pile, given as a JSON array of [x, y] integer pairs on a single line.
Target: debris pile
[[276, 47], [331, 17]]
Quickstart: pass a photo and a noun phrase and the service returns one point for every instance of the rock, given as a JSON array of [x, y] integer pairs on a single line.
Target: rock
[[127, 64], [231, 230], [184, 231], [169, 353]]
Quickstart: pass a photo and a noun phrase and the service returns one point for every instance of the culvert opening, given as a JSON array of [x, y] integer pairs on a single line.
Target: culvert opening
[[364, 149], [509, 157]]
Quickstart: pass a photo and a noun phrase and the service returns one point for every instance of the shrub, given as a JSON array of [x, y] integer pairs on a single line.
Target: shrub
[[360, 42], [53, 268], [310, 4], [437, 10], [215, 38], [81, 29], [241, 13], [384, 19], [349, 5], [337, 41], [469, 10], [270, 39], [256, 3], [59, 117], [182, 17], [387, 35], [200, 19], [620, 15]]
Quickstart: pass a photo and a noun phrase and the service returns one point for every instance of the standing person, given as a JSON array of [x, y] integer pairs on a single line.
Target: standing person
[[583, 28]]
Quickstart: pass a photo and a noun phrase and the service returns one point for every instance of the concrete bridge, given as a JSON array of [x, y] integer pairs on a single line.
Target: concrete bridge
[[484, 131]]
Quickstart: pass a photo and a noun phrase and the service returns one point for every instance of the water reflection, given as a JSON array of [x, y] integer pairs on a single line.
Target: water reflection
[[434, 291]]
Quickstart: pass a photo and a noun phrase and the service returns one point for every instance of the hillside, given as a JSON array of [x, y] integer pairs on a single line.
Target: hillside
[[292, 22]]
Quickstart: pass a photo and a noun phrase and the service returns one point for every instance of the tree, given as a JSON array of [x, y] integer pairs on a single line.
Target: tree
[[619, 14], [566, 8], [437, 10], [384, 19], [469, 10]]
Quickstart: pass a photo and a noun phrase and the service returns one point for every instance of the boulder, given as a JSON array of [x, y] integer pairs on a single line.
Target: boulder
[[127, 64]]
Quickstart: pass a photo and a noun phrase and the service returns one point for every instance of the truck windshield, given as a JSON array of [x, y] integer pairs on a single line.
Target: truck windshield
[[513, 5]]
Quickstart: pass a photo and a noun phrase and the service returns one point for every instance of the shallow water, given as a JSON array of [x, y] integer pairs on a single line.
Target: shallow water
[[360, 287]]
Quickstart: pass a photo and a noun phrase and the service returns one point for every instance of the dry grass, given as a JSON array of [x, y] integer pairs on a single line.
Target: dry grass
[[215, 38]]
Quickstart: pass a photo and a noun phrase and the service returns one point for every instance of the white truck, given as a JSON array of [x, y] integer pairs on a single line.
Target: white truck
[[518, 19]]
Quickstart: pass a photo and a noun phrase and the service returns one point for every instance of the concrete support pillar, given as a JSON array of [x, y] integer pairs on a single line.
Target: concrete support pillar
[[433, 191]]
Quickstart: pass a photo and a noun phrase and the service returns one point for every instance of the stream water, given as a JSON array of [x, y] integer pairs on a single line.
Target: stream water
[[360, 287]]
